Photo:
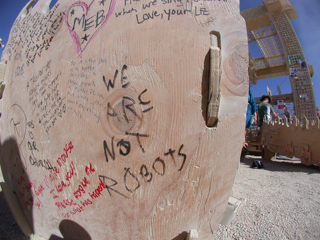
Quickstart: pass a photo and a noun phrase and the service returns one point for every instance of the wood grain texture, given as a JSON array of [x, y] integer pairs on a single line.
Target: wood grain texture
[[103, 128], [293, 139]]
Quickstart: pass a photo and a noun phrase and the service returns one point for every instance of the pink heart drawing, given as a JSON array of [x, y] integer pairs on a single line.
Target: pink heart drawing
[[85, 21]]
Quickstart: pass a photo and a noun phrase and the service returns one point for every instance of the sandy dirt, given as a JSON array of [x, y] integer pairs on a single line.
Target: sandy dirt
[[280, 201]]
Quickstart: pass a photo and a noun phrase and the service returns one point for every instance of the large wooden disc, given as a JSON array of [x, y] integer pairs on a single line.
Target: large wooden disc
[[104, 112]]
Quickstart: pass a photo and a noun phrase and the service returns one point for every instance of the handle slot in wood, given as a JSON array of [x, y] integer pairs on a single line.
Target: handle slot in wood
[[214, 80]]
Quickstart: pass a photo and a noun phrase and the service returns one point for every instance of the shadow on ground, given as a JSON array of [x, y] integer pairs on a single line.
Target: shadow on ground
[[9, 229], [280, 165], [16, 196], [71, 230]]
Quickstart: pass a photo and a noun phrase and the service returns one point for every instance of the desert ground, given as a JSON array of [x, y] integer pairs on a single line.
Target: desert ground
[[280, 201]]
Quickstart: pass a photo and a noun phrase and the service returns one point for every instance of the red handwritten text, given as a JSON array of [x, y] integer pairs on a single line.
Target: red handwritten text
[[69, 174], [54, 195], [81, 187], [66, 202], [89, 169], [52, 177], [29, 191], [63, 158], [97, 192], [39, 190]]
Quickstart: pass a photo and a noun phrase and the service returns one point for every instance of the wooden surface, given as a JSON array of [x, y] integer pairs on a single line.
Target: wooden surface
[[300, 140], [103, 127]]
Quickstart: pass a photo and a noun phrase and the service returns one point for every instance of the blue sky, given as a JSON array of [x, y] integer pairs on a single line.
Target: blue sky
[[307, 27]]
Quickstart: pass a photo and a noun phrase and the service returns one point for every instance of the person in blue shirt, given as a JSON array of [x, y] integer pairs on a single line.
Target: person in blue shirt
[[251, 110]]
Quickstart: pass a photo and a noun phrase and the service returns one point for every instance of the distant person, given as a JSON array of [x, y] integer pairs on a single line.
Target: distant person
[[287, 113], [265, 110], [251, 111]]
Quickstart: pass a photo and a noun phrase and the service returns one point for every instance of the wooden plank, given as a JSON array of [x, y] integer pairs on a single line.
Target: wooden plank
[[104, 128], [293, 140]]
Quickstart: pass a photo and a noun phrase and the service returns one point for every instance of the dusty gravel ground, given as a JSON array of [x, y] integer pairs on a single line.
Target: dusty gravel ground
[[281, 201]]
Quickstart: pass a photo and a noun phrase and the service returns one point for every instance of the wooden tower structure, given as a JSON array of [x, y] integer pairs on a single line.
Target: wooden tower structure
[[270, 27]]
